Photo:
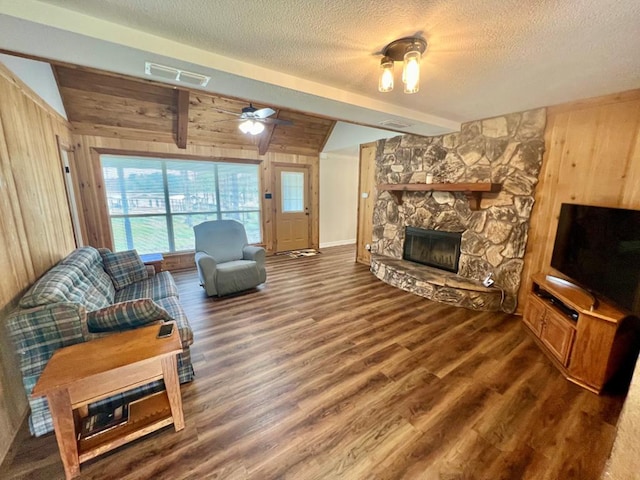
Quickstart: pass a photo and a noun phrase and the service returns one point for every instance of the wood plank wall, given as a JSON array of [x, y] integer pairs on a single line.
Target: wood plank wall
[[592, 157], [366, 185], [93, 203], [35, 226]]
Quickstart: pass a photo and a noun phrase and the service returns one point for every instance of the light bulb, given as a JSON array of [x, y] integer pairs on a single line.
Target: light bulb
[[411, 71], [257, 128], [385, 83], [245, 127]]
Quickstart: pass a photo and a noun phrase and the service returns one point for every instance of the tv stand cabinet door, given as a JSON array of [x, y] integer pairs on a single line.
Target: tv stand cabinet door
[[534, 312], [558, 334], [590, 362]]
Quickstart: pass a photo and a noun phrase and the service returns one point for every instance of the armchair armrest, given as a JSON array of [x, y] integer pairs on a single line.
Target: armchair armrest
[[207, 271], [257, 254]]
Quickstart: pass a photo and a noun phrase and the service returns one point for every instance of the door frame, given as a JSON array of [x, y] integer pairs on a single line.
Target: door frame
[[276, 199], [66, 154]]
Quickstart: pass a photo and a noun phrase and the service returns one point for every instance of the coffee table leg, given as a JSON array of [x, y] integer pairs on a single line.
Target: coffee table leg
[[63, 423], [172, 384]]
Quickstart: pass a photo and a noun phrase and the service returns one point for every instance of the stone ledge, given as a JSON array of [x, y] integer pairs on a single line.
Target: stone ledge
[[434, 284]]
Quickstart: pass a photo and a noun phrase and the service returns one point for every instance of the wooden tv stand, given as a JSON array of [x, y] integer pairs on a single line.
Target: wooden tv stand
[[587, 340]]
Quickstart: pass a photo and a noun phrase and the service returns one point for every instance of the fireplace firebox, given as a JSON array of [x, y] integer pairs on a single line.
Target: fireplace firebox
[[433, 248]]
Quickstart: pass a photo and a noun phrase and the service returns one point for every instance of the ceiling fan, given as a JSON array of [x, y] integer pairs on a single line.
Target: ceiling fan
[[253, 120]]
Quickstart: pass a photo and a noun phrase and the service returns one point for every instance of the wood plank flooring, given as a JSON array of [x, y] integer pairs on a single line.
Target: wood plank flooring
[[327, 373]]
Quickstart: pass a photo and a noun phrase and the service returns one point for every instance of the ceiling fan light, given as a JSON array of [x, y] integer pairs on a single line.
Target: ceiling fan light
[[411, 71], [257, 128], [245, 127], [385, 83]]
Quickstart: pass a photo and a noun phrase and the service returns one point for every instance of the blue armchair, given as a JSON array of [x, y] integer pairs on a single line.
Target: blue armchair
[[226, 263]]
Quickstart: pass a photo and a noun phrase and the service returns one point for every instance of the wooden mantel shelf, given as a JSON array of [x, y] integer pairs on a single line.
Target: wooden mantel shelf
[[473, 191]]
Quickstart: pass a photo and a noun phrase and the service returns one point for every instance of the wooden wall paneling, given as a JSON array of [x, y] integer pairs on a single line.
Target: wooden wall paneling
[[80, 78], [35, 231], [315, 203], [631, 187], [179, 261], [93, 130], [98, 109], [15, 263], [592, 157], [39, 181], [366, 185], [268, 206]]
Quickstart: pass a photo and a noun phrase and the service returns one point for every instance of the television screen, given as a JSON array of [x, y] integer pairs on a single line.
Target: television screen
[[599, 248]]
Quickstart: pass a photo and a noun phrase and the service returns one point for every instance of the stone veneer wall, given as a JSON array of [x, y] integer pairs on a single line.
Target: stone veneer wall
[[505, 150]]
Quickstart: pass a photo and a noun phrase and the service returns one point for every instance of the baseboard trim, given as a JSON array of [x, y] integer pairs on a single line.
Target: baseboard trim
[[338, 243]]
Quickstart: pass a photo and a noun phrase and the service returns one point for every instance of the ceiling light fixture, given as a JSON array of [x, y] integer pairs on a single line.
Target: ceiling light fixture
[[252, 127], [409, 50]]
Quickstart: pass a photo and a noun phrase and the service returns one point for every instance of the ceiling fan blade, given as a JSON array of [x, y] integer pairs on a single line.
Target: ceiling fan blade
[[228, 120], [263, 113], [274, 121]]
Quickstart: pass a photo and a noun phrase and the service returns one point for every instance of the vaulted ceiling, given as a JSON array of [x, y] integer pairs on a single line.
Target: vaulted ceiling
[[100, 103]]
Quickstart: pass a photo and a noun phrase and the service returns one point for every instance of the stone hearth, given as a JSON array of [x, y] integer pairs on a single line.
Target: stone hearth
[[435, 284], [505, 150]]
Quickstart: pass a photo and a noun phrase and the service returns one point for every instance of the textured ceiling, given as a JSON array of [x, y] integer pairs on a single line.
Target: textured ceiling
[[485, 57]]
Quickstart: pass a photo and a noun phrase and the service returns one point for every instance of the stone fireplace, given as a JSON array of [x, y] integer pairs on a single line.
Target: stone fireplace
[[505, 150], [433, 248]]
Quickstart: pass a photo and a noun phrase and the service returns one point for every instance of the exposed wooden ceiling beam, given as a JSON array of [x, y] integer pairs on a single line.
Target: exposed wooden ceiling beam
[[182, 117], [265, 138]]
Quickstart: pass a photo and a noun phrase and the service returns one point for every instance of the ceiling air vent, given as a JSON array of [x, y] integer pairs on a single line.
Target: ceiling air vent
[[395, 124], [171, 73]]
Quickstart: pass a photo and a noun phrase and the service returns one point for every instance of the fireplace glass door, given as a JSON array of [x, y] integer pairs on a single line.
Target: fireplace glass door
[[434, 248]]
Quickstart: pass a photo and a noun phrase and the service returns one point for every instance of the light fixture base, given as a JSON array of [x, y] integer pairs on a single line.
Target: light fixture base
[[398, 48]]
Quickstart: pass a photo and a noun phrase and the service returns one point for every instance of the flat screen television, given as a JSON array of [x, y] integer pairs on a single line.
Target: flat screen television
[[599, 249]]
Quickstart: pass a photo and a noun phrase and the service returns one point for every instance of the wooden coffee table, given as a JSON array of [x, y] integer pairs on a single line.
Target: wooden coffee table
[[87, 372]]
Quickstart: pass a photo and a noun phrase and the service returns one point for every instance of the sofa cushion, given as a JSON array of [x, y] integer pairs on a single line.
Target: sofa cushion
[[124, 268], [160, 285], [126, 315], [89, 261], [65, 283]]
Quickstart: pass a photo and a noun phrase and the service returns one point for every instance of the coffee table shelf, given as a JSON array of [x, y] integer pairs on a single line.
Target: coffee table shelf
[[145, 416]]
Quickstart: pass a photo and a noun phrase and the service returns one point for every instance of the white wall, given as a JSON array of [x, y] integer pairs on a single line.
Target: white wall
[[338, 199], [347, 136], [39, 77]]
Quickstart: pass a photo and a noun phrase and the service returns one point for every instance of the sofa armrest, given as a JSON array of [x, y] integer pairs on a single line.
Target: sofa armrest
[[38, 332], [257, 254]]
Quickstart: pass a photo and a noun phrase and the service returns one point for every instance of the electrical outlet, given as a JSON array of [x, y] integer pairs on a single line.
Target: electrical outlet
[[488, 280]]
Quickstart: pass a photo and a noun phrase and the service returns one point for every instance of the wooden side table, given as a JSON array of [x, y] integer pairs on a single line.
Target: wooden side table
[[87, 372], [153, 259]]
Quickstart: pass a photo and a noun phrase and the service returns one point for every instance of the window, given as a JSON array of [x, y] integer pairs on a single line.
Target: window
[[154, 204], [292, 192]]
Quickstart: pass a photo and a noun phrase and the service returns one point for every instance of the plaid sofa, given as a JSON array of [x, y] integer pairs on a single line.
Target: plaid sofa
[[53, 314]]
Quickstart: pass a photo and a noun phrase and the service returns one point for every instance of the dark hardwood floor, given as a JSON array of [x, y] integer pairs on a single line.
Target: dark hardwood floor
[[326, 372]]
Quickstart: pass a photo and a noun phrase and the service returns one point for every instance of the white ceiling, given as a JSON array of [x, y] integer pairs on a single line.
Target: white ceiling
[[485, 57]]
